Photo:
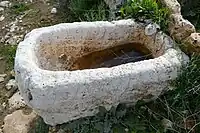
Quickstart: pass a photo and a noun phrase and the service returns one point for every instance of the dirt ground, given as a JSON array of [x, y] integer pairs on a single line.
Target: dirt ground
[[20, 18]]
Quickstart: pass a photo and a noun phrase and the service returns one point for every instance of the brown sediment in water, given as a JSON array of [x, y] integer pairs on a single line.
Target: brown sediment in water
[[122, 54]]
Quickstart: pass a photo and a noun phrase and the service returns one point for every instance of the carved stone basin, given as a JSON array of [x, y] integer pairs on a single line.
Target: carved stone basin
[[58, 94]]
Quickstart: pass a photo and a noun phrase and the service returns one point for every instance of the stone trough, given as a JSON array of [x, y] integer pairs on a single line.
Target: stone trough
[[60, 95]]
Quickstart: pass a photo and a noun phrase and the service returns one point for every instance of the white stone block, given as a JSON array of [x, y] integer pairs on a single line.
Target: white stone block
[[59, 95]]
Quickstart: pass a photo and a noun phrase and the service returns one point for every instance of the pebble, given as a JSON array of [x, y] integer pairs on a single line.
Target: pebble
[[12, 84], [5, 3], [16, 101], [12, 73], [2, 77], [53, 10], [1, 9], [151, 29], [4, 105], [2, 18]]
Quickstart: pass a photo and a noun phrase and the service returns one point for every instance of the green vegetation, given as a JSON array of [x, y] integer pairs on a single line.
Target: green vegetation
[[8, 53], [40, 127], [85, 10], [19, 8], [146, 9], [191, 11]]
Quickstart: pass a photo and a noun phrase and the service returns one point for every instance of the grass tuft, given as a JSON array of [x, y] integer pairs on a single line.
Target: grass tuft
[[19, 8], [8, 53], [85, 10]]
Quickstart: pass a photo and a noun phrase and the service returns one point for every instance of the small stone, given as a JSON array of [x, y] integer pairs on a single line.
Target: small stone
[[16, 101], [2, 18], [53, 10], [12, 84], [1, 9], [151, 29], [5, 3], [2, 77], [4, 105], [12, 73], [13, 28], [126, 130], [18, 122]]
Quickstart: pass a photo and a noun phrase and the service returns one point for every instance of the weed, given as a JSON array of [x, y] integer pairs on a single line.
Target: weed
[[85, 10], [8, 53], [40, 127], [146, 9], [19, 8]]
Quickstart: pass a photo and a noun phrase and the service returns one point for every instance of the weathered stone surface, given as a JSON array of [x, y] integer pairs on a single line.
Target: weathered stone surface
[[2, 77], [151, 29], [192, 43], [12, 84], [1, 9], [5, 3], [18, 122], [180, 28], [172, 5], [59, 95], [2, 18], [16, 101], [53, 11]]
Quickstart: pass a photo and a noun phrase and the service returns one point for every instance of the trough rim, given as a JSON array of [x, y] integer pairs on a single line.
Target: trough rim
[[27, 46], [30, 68]]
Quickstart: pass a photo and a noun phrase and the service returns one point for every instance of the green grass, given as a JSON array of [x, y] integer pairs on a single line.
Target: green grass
[[19, 8], [85, 10], [39, 127], [146, 9], [8, 54]]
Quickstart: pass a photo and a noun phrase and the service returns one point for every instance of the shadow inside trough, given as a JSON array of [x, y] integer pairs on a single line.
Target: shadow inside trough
[[122, 54]]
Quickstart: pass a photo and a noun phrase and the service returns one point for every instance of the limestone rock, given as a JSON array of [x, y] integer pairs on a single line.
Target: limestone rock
[[151, 29], [2, 18], [1, 9], [16, 101], [12, 84], [172, 5], [180, 28], [18, 122], [2, 77], [192, 43], [5, 3], [53, 11]]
